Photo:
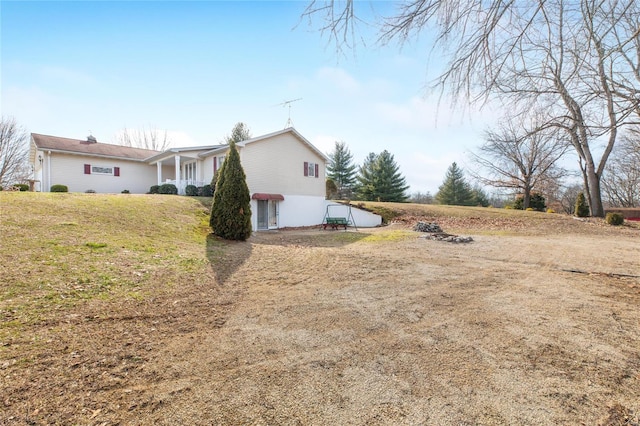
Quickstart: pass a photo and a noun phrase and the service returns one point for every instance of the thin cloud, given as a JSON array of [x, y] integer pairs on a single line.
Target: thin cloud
[[338, 78]]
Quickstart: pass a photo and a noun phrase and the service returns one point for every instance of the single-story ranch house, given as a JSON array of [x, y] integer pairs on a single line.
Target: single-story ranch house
[[285, 172]]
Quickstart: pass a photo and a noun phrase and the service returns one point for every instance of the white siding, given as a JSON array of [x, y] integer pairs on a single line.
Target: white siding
[[207, 169], [294, 211], [362, 218], [276, 166], [68, 170]]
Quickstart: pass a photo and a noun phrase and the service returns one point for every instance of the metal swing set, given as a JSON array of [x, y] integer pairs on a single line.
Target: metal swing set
[[334, 221]]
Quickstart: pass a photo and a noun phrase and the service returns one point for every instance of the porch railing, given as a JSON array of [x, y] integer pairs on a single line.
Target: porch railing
[[182, 184]]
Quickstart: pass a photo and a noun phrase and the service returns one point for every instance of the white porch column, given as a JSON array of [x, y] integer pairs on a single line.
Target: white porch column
[[159, 165], [48, 187], [178, 177]]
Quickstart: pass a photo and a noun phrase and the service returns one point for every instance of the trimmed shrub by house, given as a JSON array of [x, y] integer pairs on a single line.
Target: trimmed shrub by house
[[205, 191], [22, 186], [154, 189], [615, 219], [59, 188], [231, 208], [125, 191], [191, 190], [168, 188]]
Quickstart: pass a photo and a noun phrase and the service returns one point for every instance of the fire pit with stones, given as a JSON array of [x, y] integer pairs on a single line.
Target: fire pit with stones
[[436, 233]]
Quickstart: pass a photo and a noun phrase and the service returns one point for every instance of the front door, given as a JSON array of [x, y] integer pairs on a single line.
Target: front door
[[273, 214], [267, 214]]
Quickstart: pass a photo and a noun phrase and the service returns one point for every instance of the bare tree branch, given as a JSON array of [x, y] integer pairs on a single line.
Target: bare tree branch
[[150, 138], [579, 60], [519, 157], [14, 149]]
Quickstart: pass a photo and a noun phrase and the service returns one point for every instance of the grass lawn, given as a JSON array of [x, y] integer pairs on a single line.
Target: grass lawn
[[124, 309]]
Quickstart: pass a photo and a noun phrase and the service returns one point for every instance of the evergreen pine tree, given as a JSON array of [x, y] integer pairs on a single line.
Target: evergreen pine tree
[[239, 133], [582, 208], [341, 170], [331, 190], [480, 197], [231, 209], [455, 190], [379, 179], [391, 186], [366, 179]]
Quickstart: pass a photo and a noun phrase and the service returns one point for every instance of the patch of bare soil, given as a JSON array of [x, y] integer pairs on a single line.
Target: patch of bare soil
[[311, 327]]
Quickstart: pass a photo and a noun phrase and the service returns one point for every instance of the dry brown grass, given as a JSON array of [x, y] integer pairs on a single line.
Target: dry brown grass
[[122, 310]]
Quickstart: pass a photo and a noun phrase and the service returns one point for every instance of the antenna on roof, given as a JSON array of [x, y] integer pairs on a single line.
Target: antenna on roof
[[288, 103]]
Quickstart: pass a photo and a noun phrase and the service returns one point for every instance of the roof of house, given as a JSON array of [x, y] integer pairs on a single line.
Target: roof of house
[[291, 130], [92, 147], [158, 155], [75, 146]]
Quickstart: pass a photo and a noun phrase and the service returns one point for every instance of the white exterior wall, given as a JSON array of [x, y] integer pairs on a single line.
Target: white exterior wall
[[276, 166], [294, 211], [207, 169], [362, 218], [68, 170]]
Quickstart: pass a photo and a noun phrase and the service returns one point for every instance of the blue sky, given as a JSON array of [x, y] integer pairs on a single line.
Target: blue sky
[[195, 69]]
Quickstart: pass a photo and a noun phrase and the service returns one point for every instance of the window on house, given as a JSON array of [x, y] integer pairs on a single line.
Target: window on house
[[217, 162], [101, 170], [97, 170], [311, 169]]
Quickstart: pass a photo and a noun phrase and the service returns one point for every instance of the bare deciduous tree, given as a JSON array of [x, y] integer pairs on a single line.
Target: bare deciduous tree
[[577, 59], [621, 180], [14, 150], [150, 138], [513, 157]]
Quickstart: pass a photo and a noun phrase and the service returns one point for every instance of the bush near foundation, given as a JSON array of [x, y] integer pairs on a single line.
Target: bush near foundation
[[168, 188], [205, 191], [191, 190], [59, 188]]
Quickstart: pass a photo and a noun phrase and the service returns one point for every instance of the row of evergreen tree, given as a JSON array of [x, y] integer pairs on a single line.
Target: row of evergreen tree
[[378, 179]]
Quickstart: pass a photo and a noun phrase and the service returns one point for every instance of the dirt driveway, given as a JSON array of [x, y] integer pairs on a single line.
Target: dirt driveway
[[375, 327]]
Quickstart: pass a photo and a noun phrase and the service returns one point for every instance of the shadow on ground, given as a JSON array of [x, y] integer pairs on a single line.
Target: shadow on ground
[[313, 237], [226, 257]]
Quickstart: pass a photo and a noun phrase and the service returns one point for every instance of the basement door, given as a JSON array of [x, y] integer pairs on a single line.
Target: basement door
[[267, 214]]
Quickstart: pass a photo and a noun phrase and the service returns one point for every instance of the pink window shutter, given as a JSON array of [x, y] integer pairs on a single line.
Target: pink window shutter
[[316, 170], [306, 168], [87, 169], [116, 171]]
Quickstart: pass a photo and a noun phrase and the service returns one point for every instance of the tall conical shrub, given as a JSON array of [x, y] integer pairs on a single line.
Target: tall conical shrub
[[231, 209], [582, 209]]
